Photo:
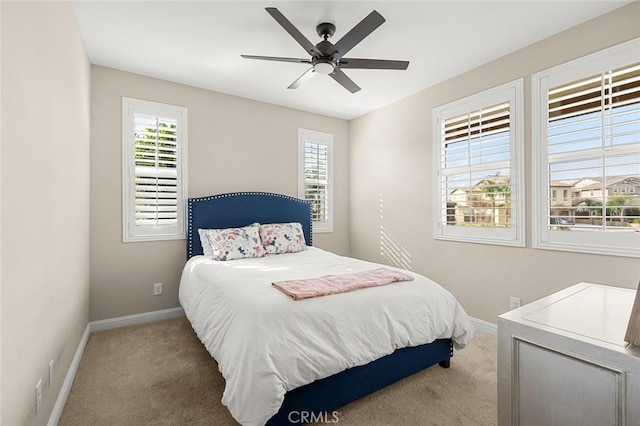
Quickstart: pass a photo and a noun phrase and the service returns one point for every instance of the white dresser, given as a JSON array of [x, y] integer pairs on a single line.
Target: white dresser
[[562, 360]]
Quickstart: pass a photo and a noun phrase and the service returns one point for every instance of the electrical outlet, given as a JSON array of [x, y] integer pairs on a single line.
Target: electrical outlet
[[51, 373], [157, 289], [515, 302], [38, 395]]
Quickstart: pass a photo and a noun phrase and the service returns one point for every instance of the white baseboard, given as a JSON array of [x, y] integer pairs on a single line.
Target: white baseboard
[[110, 323], [68, 380], [100, 326], [484, 326]]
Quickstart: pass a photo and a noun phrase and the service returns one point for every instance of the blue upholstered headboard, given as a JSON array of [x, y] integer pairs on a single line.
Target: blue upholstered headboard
[[239, 209]]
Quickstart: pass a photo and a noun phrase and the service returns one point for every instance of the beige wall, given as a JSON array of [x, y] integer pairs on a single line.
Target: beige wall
[[234, 144], [0, 214], [45, 202], [391, 186]]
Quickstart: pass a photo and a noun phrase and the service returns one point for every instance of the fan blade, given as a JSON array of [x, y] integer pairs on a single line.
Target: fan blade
[[358, 33], [308, 75], [345, 81], [293, 31], [378, 64], [275, 58]]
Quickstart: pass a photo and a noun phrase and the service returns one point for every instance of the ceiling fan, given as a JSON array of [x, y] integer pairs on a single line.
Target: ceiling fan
[[328, 58]]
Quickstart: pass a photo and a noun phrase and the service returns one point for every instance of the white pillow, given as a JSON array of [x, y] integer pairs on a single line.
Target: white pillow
[[204, 242]]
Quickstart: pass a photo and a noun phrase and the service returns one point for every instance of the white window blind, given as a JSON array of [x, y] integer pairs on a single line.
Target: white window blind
[[316, 179], [315, 151], [476, 167], [154, 148], [589, 159], [156, 171], [477, 151]]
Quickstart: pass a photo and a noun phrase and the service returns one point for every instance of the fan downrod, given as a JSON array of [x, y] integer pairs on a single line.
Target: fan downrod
[[325, 30]]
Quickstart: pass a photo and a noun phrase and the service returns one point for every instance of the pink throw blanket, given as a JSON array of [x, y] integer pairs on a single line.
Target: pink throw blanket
[[333, 284]]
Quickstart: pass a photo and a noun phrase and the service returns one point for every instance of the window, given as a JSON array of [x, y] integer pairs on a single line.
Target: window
[[478, 149], [586, 135], [154, 145], [315, 182]]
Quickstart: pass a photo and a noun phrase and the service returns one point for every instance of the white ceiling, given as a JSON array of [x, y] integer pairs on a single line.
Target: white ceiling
[[199, 43]]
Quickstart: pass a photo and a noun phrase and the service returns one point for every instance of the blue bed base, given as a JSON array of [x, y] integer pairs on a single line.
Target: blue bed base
[[323, 396]]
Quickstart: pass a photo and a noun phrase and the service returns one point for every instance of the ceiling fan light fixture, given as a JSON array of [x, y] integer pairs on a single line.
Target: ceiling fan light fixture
[[325, 67]]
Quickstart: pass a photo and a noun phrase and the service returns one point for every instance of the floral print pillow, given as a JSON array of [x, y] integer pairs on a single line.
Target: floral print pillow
[[235, 243], [278, 238]]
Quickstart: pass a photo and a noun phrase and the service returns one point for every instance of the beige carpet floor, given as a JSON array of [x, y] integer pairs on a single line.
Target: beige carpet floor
[[160, 374]]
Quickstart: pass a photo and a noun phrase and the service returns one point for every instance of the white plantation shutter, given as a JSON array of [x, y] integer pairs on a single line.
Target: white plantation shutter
[[589, 157], [156, 171], [316, 179], [478, 151], [315, 176], [476, 161], [155, 145], [593, 148]]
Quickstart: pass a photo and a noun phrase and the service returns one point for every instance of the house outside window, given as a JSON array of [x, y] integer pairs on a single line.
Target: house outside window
[[315, 176], [154, 152], [586, 136], [478, 152]]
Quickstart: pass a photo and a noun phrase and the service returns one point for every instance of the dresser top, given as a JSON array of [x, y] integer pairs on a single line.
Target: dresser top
[[595, 311], [590, 310]]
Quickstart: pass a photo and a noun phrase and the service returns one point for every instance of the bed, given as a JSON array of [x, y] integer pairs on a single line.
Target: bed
[[286, 361]]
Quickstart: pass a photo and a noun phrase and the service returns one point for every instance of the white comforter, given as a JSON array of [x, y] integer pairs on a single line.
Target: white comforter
[[266, 343]]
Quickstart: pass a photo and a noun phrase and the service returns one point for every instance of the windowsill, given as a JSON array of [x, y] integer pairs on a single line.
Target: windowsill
[[466, 239], [322, 231], [586, 249], [150, 238]]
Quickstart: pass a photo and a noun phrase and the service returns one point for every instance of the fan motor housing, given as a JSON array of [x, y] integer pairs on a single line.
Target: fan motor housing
[[326, 47]]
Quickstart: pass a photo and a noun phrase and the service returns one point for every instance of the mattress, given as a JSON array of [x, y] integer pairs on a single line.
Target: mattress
[[267, 344]]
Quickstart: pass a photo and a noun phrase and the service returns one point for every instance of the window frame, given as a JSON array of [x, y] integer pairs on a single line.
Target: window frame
[[305, 135], [615, 244], [130, 232], [512, 92]]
